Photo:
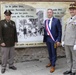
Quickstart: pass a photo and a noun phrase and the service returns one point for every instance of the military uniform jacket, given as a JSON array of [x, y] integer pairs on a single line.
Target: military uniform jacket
[[70, 32], [8, 34]]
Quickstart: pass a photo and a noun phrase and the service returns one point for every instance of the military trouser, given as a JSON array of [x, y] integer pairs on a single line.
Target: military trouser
[[71, 57], [7, 54]]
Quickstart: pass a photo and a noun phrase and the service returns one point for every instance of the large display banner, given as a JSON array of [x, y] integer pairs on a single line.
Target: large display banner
[[29, 19]]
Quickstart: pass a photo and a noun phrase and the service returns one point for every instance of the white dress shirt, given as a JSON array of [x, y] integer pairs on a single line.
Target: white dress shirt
[[50, 22]]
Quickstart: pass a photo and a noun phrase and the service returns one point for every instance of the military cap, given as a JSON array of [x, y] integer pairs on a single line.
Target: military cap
[[72, 6], [7, 12]]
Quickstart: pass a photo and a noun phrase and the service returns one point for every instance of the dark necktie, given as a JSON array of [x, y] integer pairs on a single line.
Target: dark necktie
[[48, 22]]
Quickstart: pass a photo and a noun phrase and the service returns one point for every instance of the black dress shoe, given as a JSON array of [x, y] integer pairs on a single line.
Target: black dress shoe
[[73, 74], [13, 68], [3, 70], [67, 72]]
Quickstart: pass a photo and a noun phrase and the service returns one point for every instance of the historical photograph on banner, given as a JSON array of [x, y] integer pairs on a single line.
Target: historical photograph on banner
[[31, 29]]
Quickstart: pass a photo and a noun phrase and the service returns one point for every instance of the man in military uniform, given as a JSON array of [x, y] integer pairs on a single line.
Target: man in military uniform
[[69, 41], [8, 38]]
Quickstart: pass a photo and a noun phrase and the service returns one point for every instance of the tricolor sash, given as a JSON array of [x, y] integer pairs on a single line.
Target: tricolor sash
[[48, 31]]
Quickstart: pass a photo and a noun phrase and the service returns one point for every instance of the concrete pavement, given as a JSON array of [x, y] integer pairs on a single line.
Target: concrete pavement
[[37, 68]]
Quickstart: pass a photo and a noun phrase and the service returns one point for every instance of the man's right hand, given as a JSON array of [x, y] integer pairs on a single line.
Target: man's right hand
[[2, 44]]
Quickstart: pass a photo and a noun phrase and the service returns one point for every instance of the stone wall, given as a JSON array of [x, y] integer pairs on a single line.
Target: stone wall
[[34, 54]]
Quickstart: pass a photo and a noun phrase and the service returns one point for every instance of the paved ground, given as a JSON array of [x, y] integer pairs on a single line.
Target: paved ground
[[37, 68]]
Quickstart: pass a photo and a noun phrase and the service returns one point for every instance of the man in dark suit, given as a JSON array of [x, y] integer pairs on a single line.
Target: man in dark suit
[[8, 38], [52, 37]]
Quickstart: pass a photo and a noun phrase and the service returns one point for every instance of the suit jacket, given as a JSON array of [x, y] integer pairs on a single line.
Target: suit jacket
[[56, 30], [8, 34], [69, 37]]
